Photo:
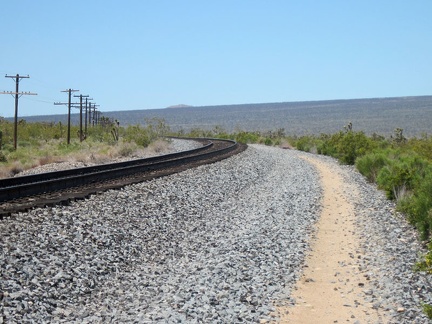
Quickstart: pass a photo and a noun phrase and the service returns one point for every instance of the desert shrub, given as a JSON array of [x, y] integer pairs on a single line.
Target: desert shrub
[[16, 168], [247, 137], [354, 145], [396, 177], [422, 146], [126, 149], [426, 263], [268, 141], [99, 134], [370, 164], [418, 206], [159, 146], [3, 157], [155, 128], [304, 143], [327, 144], [138, 135], [142, 140], [346, 146]]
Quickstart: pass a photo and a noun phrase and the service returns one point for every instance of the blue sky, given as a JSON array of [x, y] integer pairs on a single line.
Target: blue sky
[[156, 53]]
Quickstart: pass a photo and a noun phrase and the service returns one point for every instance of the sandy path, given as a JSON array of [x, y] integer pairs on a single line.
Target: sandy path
[[330, 289]]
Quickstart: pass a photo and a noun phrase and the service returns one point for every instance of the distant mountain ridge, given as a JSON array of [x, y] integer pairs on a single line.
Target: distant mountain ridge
[[373, 115], [180, 106]]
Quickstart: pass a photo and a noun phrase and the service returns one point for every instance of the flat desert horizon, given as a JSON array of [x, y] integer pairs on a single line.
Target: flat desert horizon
[[373, 115]]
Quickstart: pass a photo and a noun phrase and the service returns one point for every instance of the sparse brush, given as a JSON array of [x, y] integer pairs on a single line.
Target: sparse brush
[[159, 146], [47, 160], [125, 149], [16, 168], [285, 144], [3, 157], [4, 172]]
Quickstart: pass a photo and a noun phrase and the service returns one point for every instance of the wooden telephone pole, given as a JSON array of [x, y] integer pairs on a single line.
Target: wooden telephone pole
[[81, 116], [17, 94], [69, 91], [85, 117]]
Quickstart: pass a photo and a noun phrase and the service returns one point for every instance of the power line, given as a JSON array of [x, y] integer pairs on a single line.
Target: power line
[[18, 95], [38, 100]]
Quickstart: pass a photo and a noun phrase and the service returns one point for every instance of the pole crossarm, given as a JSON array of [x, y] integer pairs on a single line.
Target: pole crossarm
[[69, 90], [18, 93], [18, 77], [67, 103]]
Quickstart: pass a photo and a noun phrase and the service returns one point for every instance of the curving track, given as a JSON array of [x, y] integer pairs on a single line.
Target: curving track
[[45, 189]]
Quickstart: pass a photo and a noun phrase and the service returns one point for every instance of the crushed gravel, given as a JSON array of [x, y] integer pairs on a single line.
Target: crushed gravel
[[221, 243]]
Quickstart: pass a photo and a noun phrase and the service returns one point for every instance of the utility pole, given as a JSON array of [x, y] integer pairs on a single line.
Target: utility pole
[[85, 117], [94, 114], [81, 102], [17, 94], [98, 116], [89, 114], [69, 91]]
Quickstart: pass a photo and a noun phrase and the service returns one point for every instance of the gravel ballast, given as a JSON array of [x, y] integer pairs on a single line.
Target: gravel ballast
[[221, 243]]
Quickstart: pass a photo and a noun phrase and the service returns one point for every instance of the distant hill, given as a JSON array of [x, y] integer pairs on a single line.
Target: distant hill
[[374, 115], [179, 106]]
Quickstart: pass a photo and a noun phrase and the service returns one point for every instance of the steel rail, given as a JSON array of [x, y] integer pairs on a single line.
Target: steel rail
[[6, 183], [20, 187]]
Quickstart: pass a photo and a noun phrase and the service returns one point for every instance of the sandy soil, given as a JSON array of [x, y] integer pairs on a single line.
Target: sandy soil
[[330, 288]]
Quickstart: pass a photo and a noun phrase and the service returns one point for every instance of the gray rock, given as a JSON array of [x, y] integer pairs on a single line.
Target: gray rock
[[220, 243]]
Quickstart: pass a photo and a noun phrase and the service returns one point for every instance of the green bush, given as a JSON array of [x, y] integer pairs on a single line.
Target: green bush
[[418, 206], [247, 137], [327, 144], [304, 143], [395, 178], [346, 146], [268, 141], [3, 157], [422, 146], [402, 173], [353, 145], [369, 165], [426, 263]]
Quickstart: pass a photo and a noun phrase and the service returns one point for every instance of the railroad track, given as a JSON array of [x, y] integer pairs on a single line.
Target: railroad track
[[48, 189]]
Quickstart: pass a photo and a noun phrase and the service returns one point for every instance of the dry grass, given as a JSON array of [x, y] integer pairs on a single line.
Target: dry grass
[[401, 192], [4, 173], [285, 144], [48, 160], [158, 146], [16, 168], [88, 154]]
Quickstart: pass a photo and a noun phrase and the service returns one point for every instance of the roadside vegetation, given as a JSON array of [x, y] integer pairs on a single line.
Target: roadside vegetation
[[44, 143]]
